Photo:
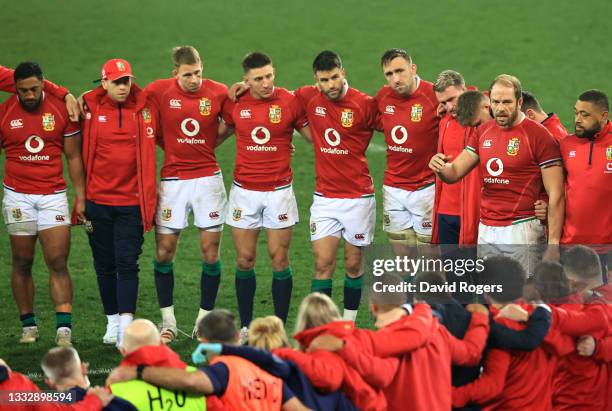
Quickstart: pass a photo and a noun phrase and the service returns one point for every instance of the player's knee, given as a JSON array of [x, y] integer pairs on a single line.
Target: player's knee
[[164, 254], [324, 268], [22, 264], [209, 254], [58, 264], [407, 237], [353, 267], [245, 262]]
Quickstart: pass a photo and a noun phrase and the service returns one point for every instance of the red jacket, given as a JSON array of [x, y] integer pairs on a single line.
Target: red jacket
[[362, 383], [516, 380], [19, 382], [470, 194], [145, 152], [7, 84]]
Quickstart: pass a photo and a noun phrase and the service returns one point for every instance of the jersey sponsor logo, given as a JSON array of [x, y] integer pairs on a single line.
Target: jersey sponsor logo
[[333, 139], [609, 153], [102, 119], [17, 214], [487, 144], [390, 109], [205, 106], [48, 122], [236, 214], [34, 144], [150, 132], [60, 218], [360, 236], [572, 154], [608, 168], [399, 134], [283, 218], [87, 116], [146, 115], [320, 111], [190, 127], [261, 135], [513, 146], [176, 103], [274, 115], [245, 113], [416, 113], [346, 118], [166, 214], [494, 173], [17, 123], [213, 215]]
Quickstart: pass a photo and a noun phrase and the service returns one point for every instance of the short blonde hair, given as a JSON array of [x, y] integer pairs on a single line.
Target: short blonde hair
[[508, 81], [268, 333], [61, 363], [315, 310], [185, 55]]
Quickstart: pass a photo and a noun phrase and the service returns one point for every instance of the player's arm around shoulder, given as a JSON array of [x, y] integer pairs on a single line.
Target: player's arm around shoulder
[[172, 378], [469, 350]]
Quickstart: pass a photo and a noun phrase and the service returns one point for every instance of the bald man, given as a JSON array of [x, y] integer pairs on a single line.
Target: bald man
[[64, 372], [141, 346]]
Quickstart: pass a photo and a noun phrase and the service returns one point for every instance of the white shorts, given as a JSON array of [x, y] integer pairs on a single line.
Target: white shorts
[[403, 209], [43, 211], [205, 196], [353, 218], [524, 240], [250, 209]]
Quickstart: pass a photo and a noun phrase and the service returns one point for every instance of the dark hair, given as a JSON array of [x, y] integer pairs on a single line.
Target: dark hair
[[26, 70], [530, 102], [393, 291], [582, 262], [550, 281], [468, 105], [326, 61], [598, 98], [504, 271], [254, 60], [218, 326], [393, 53]]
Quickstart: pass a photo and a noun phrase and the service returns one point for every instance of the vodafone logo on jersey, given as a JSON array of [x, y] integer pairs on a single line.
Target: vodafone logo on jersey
[[320, 111], [34, 145], [17, 123], [261, 135], [176, 103], [572, 154], [608, 168], [399, 135], [190, 127], [332, 137], [245, 113], [495, 167]]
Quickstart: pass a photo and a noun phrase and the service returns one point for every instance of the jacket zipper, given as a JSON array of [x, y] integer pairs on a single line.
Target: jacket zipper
[[591, 151], [120, 117]]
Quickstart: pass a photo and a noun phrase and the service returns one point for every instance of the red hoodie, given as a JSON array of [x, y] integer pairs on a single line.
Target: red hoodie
[[425, 350], [362, 383], [19, 382], [469, 212], [516, 380], [7, 84], [146, 131]]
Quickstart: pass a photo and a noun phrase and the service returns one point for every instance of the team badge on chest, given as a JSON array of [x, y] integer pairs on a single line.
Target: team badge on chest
[[609, 153], [513, 146], [347, 117], [48, 122], [274, 115], [416, 114], [205, 106], [146, 115]]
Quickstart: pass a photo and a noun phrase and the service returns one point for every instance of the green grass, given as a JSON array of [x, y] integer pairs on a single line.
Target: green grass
[[557, 49]]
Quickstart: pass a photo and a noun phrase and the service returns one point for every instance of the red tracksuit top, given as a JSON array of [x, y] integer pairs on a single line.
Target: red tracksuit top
[[143, 131]]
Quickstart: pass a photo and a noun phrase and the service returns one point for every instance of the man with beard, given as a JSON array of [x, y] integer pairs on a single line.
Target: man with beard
[[34, 131], [587, 156], [516, 155]]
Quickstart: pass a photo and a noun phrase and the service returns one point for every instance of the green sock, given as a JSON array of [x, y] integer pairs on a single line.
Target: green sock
[[322, 286], [63, 320], [28, 320], [164, 268], [211, 269]]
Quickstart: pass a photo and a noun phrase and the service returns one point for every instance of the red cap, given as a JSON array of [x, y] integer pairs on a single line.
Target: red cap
[[115, 69]]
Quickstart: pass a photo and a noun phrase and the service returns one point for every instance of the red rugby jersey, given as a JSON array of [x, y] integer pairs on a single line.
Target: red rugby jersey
[[588, 188], [264, 129], [510, 162], [453, 142], [410, 125], [341, 131], [190, 123], [553, 124], [34, 142], [7, 84]]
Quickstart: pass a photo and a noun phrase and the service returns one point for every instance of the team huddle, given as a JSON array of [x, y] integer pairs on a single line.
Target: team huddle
[[463, 167]]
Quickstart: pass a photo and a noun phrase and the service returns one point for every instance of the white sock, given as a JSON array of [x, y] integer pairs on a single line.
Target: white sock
[[124, 321], [112, 319], [201, 314], [168, 318], [349, 315]]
